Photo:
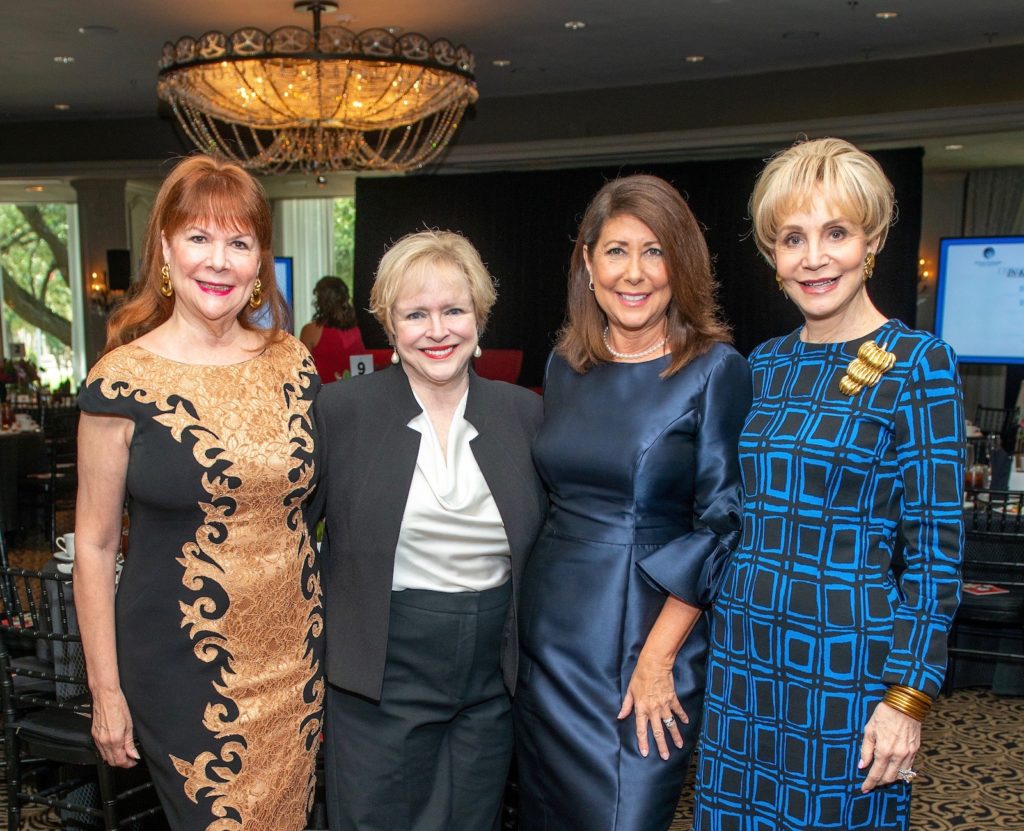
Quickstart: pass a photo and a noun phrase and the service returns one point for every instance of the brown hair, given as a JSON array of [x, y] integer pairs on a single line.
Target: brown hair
[[694, 324], [205, 189], [332, 304], [848, 179]]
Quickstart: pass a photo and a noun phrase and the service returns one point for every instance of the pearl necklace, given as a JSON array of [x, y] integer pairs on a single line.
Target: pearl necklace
[[628, 356]]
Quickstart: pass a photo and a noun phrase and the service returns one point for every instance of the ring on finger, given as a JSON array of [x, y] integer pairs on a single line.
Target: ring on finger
[[669, 722], [906, 774]]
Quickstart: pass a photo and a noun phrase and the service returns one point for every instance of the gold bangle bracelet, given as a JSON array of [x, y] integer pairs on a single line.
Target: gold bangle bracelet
[[907, 700], [897, 694], [917, 696], [912, 705]]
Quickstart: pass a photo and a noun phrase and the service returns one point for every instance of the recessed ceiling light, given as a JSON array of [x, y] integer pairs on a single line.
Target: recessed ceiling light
[[63, 59], [886, 15], [694, 58], [501, 62], [96, 29], [954, 147], [799, 34], [62, 107], [575, 25], [34, 189]]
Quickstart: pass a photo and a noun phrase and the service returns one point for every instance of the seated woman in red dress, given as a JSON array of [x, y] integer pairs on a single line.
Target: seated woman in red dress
[[332, 337]]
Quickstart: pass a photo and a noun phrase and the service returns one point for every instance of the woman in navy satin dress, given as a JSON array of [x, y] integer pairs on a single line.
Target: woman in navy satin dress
[[644, 400]]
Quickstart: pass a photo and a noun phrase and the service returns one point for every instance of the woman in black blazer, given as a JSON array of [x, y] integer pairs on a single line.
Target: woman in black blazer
[[431, 505]]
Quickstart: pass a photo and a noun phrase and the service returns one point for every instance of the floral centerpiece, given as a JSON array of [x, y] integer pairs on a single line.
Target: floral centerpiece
[[19, 373]]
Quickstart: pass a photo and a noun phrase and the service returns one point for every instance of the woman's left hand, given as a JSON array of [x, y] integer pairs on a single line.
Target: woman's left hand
[[892, 740], [652, 695]]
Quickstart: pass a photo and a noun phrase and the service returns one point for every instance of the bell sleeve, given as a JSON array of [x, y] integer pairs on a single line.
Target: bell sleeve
[[690, 567]]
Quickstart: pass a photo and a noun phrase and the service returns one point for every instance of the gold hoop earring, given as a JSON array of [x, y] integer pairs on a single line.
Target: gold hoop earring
[[166, 289], [256, 299], [869, 266]]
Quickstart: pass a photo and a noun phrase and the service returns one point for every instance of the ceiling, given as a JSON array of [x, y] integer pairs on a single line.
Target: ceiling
[[115, 45]]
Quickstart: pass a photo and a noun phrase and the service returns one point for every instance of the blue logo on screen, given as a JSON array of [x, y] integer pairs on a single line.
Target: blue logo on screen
[[989, 253]]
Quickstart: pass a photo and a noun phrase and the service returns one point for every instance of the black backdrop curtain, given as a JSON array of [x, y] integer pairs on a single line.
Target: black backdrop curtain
[[524, 225]]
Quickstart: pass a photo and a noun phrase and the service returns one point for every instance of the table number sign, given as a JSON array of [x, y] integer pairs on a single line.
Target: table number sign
[[361, 364]]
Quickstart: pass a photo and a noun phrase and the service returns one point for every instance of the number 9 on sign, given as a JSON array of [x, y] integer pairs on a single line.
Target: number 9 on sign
[[361, 364]]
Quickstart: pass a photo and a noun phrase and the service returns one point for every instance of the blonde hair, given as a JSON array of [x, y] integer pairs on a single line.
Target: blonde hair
[[415, 252], [694, 320], [847, 178], [200, 188]]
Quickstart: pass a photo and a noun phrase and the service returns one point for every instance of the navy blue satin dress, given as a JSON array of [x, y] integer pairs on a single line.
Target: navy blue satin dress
[[645, 501]]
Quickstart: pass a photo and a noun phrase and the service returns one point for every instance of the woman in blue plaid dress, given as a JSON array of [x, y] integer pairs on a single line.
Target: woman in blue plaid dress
[[823, 661]]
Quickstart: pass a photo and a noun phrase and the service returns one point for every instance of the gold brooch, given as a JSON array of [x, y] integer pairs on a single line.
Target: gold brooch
[[865, 370]]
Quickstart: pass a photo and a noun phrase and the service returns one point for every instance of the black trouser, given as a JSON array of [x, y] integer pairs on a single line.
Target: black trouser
[[434, 753]]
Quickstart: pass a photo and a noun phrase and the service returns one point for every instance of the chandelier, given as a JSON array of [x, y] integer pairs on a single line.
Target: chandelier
[[318, 101]]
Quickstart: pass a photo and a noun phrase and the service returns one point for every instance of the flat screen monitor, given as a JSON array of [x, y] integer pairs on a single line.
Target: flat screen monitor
[[285, 285], [979, 308]]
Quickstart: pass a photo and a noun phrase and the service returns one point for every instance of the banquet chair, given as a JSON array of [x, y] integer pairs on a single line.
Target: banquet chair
[[991, 609], [999, 421], [381, 358], [500, 364], [56, 730], [55, 486]]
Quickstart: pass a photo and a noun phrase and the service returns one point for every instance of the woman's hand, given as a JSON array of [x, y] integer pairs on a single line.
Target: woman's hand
[[652, 695], [112, 730], [892, 740]]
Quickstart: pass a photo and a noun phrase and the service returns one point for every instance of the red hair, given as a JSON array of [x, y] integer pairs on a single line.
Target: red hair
[[200, 189]]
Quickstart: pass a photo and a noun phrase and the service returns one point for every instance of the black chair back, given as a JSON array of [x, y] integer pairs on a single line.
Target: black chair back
[[1001, 422]]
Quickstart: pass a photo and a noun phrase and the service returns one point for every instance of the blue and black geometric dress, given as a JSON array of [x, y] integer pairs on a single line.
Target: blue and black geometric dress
[[812, 624]]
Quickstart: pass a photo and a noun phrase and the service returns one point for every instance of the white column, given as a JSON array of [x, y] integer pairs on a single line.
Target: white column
[[79, 358]]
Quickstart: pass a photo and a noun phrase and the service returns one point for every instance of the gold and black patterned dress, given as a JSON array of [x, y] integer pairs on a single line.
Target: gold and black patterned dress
[[218, 611]]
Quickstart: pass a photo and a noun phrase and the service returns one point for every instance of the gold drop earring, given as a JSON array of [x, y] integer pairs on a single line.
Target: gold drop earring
[[166, 289]]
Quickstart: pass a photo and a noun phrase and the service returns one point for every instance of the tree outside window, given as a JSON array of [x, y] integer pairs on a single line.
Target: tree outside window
[[344, 238], [36, 285]]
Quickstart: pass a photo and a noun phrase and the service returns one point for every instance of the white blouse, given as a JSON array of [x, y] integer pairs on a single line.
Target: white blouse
[[452, 537]]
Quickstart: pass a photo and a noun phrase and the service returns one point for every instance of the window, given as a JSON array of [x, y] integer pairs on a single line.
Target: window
[[36, 291], [343, 238]]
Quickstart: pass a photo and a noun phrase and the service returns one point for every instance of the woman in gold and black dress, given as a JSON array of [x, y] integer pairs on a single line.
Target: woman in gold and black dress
[[211, 652]]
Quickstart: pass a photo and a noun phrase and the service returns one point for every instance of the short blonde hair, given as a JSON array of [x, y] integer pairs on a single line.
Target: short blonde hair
[[849, 180], [411, 254]]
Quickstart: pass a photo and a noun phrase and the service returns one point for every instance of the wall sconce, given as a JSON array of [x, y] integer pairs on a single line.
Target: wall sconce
[[925, 280], [100, 295]]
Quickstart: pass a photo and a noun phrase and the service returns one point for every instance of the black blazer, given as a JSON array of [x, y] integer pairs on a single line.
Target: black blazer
[[367, 458]]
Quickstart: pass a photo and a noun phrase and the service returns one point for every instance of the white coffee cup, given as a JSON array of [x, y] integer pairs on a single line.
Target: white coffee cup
[[66, 546]]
